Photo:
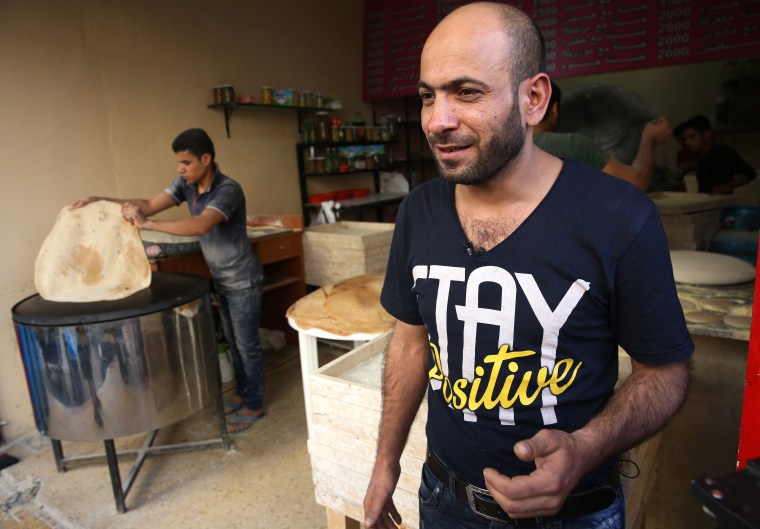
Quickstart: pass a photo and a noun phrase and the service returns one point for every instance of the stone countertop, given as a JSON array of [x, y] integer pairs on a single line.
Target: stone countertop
[[723, 311]]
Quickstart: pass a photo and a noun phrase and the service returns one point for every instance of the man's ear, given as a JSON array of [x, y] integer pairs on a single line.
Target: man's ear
[[540, 91], [206, 159]]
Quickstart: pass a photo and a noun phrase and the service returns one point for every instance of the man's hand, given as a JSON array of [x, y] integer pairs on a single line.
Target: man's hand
[[134, 215], [658, 131], [379, 510], [79, 203], [559, 466]]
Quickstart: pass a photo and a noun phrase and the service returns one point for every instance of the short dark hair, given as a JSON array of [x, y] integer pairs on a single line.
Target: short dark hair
[[556, 97], [195, 141], [527, 44], [700, 123], [678, 129]]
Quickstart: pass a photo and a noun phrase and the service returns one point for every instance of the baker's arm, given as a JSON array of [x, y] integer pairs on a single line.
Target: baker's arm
[[639, 173], [149, 207], [404, 384], [642, 406], [728, 187], [195, 225]]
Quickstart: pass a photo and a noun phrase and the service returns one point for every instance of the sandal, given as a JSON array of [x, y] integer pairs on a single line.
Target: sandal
[[242, 423], [231, 407]]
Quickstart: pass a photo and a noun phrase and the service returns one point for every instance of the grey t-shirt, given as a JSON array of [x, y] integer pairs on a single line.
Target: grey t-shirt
[[225, 247], [572, 145]]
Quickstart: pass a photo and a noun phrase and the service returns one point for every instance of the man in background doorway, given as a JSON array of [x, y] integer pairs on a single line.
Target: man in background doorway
[[579, 147], [720, 169]]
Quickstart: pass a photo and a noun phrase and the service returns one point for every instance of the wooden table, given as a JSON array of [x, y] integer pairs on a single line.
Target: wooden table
[[281, 255]]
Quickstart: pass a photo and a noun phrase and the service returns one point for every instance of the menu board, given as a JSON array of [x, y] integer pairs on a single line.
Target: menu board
[[582, 36]]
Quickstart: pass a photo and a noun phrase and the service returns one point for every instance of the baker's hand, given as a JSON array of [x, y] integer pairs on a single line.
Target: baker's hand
[[379, 510], [658, 131], [134, 215], [559, 467], [81, 202]]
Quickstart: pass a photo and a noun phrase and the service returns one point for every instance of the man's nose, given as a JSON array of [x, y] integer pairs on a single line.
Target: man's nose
[[441, 115]]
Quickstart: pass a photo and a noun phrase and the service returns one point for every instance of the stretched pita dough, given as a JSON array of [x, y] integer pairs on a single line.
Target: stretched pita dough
[[91, 254], [708, 268]]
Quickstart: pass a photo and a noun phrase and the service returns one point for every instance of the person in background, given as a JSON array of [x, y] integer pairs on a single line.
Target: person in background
[[579, 147], [686, 161], [513, 278], [218, 218], [720, 169]]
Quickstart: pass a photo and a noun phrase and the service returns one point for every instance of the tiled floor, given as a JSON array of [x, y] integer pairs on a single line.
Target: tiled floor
[[265, 482]]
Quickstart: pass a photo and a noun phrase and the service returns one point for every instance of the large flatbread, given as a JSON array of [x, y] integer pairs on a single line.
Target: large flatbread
[[708, 268], [91, 254], [346, 308]]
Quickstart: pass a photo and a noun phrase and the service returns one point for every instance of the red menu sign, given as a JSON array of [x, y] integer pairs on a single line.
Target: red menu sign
[[582, 36]]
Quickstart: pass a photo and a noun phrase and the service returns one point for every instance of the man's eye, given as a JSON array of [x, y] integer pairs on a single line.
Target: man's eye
[[426, 97], [468, 93]]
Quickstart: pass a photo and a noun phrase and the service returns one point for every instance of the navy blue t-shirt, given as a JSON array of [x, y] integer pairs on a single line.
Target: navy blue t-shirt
[[225, 247], [525, 336]]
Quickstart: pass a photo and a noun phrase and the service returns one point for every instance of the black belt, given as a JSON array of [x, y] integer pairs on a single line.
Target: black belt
[[580, 503]]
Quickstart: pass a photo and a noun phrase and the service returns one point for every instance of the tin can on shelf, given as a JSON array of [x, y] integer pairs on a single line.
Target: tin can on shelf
[[224, 94], [267, 95]]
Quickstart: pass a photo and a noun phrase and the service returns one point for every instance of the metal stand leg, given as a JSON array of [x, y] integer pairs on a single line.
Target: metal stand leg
[[222, 421], [113, 469], [58, 454]]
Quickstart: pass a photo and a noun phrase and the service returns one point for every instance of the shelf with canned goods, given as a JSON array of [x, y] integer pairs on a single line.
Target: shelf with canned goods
[[341, 158], [229, 108]]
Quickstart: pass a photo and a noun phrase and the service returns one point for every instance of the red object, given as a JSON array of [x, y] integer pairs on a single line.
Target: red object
[[344, 194], [321, 197], [749, 430], [361, 192]]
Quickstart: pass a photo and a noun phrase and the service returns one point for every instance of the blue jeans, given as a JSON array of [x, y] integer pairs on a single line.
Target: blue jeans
[[240, 312], [441, 509]]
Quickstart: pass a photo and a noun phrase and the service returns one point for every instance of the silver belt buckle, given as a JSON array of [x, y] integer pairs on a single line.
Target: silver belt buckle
[[483, 495]]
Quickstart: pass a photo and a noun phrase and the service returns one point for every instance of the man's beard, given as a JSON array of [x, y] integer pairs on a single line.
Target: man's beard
[[497, 154]]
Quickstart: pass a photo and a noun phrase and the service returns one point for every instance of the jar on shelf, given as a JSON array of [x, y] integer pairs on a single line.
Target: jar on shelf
[[267, 95], [224, 94], [319, 165], [348, 133], [335, 132], [308, 129], [323, 128]]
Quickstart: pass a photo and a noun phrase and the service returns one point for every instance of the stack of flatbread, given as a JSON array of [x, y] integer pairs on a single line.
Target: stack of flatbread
[[91, 254], [348, 307]]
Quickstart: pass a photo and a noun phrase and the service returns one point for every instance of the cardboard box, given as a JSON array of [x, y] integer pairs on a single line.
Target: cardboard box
[[689, 218], [345, 417], [334, 252]]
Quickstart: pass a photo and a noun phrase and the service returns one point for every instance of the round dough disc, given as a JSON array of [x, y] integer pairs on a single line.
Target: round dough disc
[[741, 322], [703, 316], [707, 268], [719, 304]]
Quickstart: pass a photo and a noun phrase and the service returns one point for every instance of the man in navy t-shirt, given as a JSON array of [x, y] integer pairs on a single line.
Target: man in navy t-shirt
[[218, 218], [514, 278]]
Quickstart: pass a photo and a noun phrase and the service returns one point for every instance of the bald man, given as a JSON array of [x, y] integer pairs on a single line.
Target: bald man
[[513, 279]]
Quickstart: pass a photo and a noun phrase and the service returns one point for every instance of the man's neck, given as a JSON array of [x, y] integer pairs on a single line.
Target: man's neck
[[205, 183]]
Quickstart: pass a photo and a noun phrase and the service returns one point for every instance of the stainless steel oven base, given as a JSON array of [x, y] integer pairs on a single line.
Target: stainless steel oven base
[[111, 455]]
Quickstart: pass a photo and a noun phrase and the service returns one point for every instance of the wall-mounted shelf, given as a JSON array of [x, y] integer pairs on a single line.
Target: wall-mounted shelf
[[229, 108]]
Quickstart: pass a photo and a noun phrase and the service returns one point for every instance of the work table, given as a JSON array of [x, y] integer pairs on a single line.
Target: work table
[[279, 250]]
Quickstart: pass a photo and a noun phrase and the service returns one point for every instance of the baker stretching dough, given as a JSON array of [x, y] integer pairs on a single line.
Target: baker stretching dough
[[91, 254]]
